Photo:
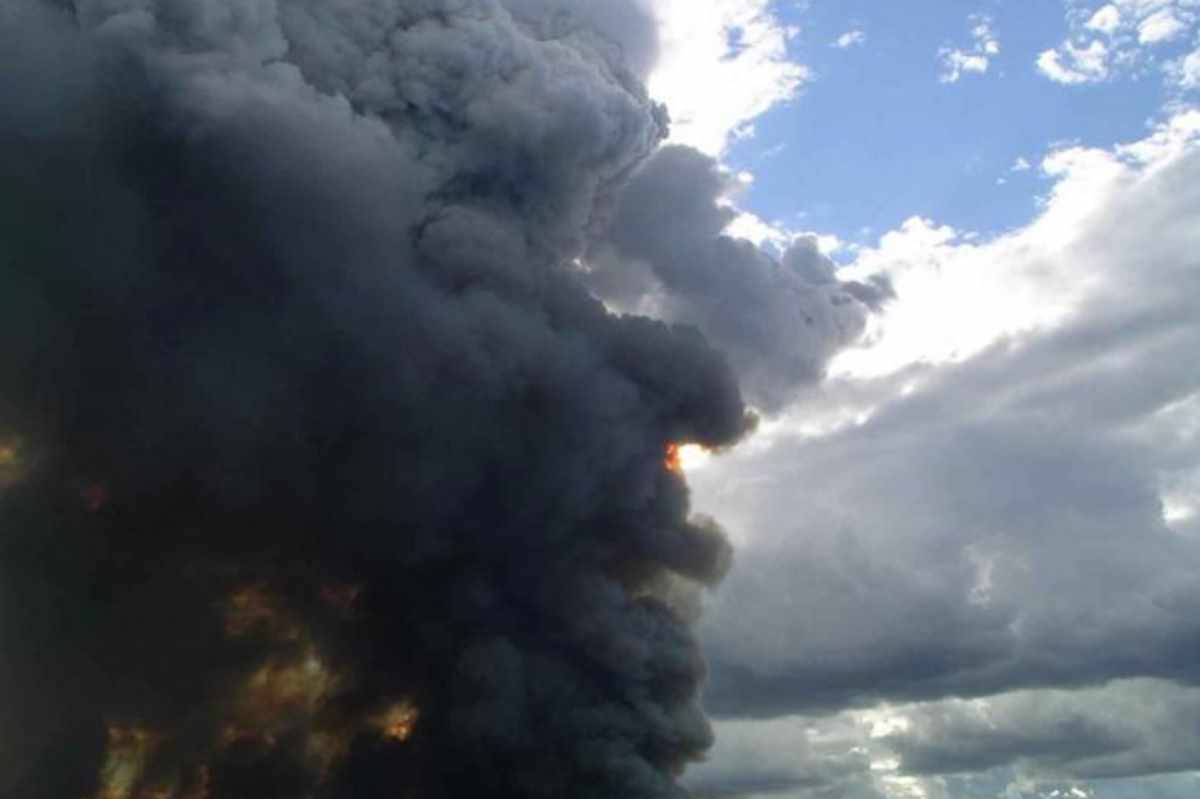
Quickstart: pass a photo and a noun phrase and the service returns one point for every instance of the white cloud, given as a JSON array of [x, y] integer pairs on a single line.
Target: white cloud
[[1121, 38], [976, 58], [1161, 26], [723, 63], [1021, 165], [1186, 71], [958, 62], [850, 39], [776, 236], [960, 296], [1072, 65], [1106, 19]]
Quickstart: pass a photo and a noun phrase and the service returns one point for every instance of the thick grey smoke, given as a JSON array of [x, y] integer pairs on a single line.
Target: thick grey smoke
[[781, 320], [321, 474]]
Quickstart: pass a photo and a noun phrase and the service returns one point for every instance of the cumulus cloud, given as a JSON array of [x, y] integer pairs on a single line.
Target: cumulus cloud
[[1106, 19], [1071, 64], [974, 59], [1130, 728], [1161, 26], [1118, 39], [723, 63], [852, 38], [1185, 70], [1014, 516], [1129, 736]]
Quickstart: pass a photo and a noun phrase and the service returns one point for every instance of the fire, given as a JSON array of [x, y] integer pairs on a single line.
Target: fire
[[128, 754], [673, 460], [681, 458], [253, 609], [398, 722], [293, 690], [278, 692]]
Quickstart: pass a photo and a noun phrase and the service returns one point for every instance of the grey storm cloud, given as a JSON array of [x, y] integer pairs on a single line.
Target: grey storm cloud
[[780, 758], [1126, 738], [1127, 729], [780, 319], [306, 420], [1001, 526]]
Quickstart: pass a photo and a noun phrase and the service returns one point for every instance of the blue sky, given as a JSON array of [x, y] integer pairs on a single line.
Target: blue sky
[[876, 137]]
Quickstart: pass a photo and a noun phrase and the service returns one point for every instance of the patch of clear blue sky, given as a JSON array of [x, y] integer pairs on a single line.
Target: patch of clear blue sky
[[876, 138]]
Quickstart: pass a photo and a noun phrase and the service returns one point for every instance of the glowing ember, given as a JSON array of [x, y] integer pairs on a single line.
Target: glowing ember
[[398, 722]]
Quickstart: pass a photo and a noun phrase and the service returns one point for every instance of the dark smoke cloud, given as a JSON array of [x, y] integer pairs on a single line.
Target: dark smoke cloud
[[780, 319], [297, 387]]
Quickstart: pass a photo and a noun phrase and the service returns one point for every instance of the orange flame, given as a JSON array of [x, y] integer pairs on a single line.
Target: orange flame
[[673, 460], [290, 691]]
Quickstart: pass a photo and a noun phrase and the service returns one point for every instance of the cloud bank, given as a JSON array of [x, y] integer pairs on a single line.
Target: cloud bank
[[1004, 510]]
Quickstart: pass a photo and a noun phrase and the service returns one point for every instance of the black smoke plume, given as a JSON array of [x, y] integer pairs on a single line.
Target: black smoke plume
[[664, 248], [321, 474]]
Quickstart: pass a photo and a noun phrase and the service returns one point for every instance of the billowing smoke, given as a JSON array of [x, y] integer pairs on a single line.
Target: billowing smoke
[[321, 472], [665, 250]]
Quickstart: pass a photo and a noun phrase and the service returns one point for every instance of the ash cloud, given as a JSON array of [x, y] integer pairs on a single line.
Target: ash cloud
[[305, 414]]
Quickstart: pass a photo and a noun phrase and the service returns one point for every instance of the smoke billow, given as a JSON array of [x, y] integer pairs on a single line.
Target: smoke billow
[[321, 474], [779, 319]]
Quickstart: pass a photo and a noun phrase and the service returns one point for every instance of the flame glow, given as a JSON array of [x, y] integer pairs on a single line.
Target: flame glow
[[278, 692], [681, 458], [129, 752], [11, 462], [292, 690], [253, 609], [672, 460], [398, 722]]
